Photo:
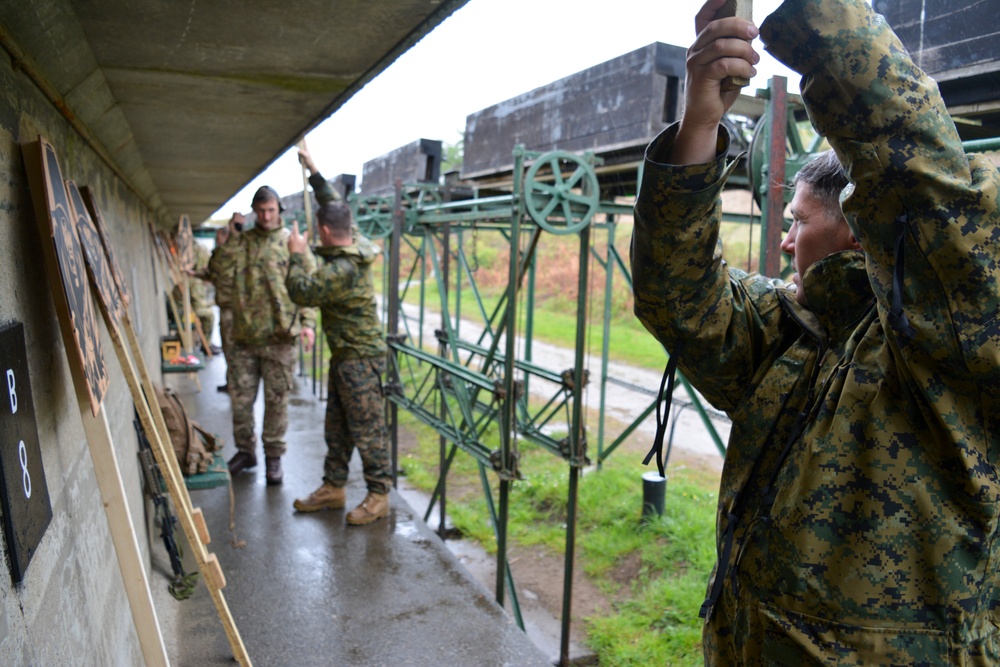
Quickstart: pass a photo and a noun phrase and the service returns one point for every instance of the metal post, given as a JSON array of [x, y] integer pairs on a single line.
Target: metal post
[[578, 442], [609, 274], [392, 288], [442, 442], [422, 257], [529, 321], [509, 416]]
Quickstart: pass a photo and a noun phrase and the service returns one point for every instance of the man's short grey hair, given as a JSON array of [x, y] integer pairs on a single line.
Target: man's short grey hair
[[825, 177]]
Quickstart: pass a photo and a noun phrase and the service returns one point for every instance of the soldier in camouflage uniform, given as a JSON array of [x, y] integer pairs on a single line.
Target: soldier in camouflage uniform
[[201, 304], [355, 410], [859, 501], [224, 286], [266, 324]]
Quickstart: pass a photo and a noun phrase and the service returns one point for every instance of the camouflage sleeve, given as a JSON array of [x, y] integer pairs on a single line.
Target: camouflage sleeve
[[223, 261], [891, 129], [307, 264], [322, 288], [324, 192], [684, 293]]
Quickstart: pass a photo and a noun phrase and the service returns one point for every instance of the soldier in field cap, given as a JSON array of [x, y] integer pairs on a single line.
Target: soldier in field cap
[[265, 330]]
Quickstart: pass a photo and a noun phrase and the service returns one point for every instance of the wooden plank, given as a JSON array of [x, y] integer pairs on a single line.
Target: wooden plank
[[150, 416], [108, 473], [307, 200], [62, 252], [741, 9]]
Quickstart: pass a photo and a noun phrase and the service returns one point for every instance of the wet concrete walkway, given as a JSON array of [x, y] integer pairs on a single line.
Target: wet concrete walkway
[[306, 589]]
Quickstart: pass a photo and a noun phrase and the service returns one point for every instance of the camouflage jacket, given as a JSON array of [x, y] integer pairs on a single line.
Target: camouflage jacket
[[860, 481], [342, 288], [322, 188], [256, 263]]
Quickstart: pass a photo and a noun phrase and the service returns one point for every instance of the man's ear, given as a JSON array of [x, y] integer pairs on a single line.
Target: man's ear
[[854, 242]]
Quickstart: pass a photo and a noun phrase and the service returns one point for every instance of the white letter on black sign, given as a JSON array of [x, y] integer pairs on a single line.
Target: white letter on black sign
[[11, 391]]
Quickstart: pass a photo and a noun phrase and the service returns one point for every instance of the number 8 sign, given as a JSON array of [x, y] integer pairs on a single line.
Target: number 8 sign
[[25, 496]]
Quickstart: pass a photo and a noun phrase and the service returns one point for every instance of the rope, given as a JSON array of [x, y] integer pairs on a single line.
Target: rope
[[234, 542]]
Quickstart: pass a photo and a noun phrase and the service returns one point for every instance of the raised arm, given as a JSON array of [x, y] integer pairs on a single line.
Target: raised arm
[[324, 193], [717, 323]]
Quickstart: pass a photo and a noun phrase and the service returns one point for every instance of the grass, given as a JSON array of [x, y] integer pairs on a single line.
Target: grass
[[655, 619]]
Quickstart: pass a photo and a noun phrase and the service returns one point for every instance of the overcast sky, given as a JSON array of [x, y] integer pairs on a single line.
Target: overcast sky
[[485, 53]]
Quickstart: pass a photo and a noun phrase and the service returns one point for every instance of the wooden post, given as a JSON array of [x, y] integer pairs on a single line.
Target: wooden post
[[306, 199], [150, 415], [61, 248], [740, 9]]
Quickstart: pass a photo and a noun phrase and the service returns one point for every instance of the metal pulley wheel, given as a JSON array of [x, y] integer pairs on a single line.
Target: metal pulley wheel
[[416, 199], [373, 216], [561, 193]]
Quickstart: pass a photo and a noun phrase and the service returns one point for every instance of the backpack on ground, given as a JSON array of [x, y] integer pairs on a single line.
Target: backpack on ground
[[193, 445]]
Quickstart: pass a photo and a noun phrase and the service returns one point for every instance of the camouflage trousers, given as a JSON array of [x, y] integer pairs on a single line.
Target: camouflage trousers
[[226, 334], [247, 366], [355, 417]]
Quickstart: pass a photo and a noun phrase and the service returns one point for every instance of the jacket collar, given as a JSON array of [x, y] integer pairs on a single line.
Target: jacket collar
[[838, 292]]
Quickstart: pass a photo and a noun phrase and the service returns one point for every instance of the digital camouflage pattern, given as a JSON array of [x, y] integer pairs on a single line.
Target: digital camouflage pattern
[[873, 540], [345, 293], [355, 416]]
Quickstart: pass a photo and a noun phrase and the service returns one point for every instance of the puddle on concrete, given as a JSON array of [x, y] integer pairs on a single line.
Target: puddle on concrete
[[407, 529]]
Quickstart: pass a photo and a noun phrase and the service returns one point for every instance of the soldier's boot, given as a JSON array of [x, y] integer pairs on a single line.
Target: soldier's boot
[[241, 461], [325, 497], [273, 473], [372, 508]]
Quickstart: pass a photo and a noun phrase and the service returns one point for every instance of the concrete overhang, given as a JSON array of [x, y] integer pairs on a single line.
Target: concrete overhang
[[188, 101]]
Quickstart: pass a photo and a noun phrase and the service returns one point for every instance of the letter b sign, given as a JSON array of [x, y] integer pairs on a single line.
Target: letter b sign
[[25, 496]]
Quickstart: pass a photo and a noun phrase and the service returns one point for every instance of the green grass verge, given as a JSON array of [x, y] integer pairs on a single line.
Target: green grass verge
[[655, 620]]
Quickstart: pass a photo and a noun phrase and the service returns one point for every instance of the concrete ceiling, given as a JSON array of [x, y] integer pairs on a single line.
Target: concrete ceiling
[[188, 101]]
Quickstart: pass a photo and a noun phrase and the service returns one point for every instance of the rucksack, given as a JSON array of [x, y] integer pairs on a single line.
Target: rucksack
[[192, 444]]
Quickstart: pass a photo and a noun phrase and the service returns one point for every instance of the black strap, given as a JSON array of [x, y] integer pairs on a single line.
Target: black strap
[[664, 400], [897, 318]]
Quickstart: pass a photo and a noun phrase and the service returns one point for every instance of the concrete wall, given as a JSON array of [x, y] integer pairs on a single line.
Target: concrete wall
[[71, 607]]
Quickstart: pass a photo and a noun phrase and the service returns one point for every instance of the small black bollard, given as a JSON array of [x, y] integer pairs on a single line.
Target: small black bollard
[[654, 489]]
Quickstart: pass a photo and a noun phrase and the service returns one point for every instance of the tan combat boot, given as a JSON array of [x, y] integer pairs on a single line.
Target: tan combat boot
[[327, 496], [373, 507]]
